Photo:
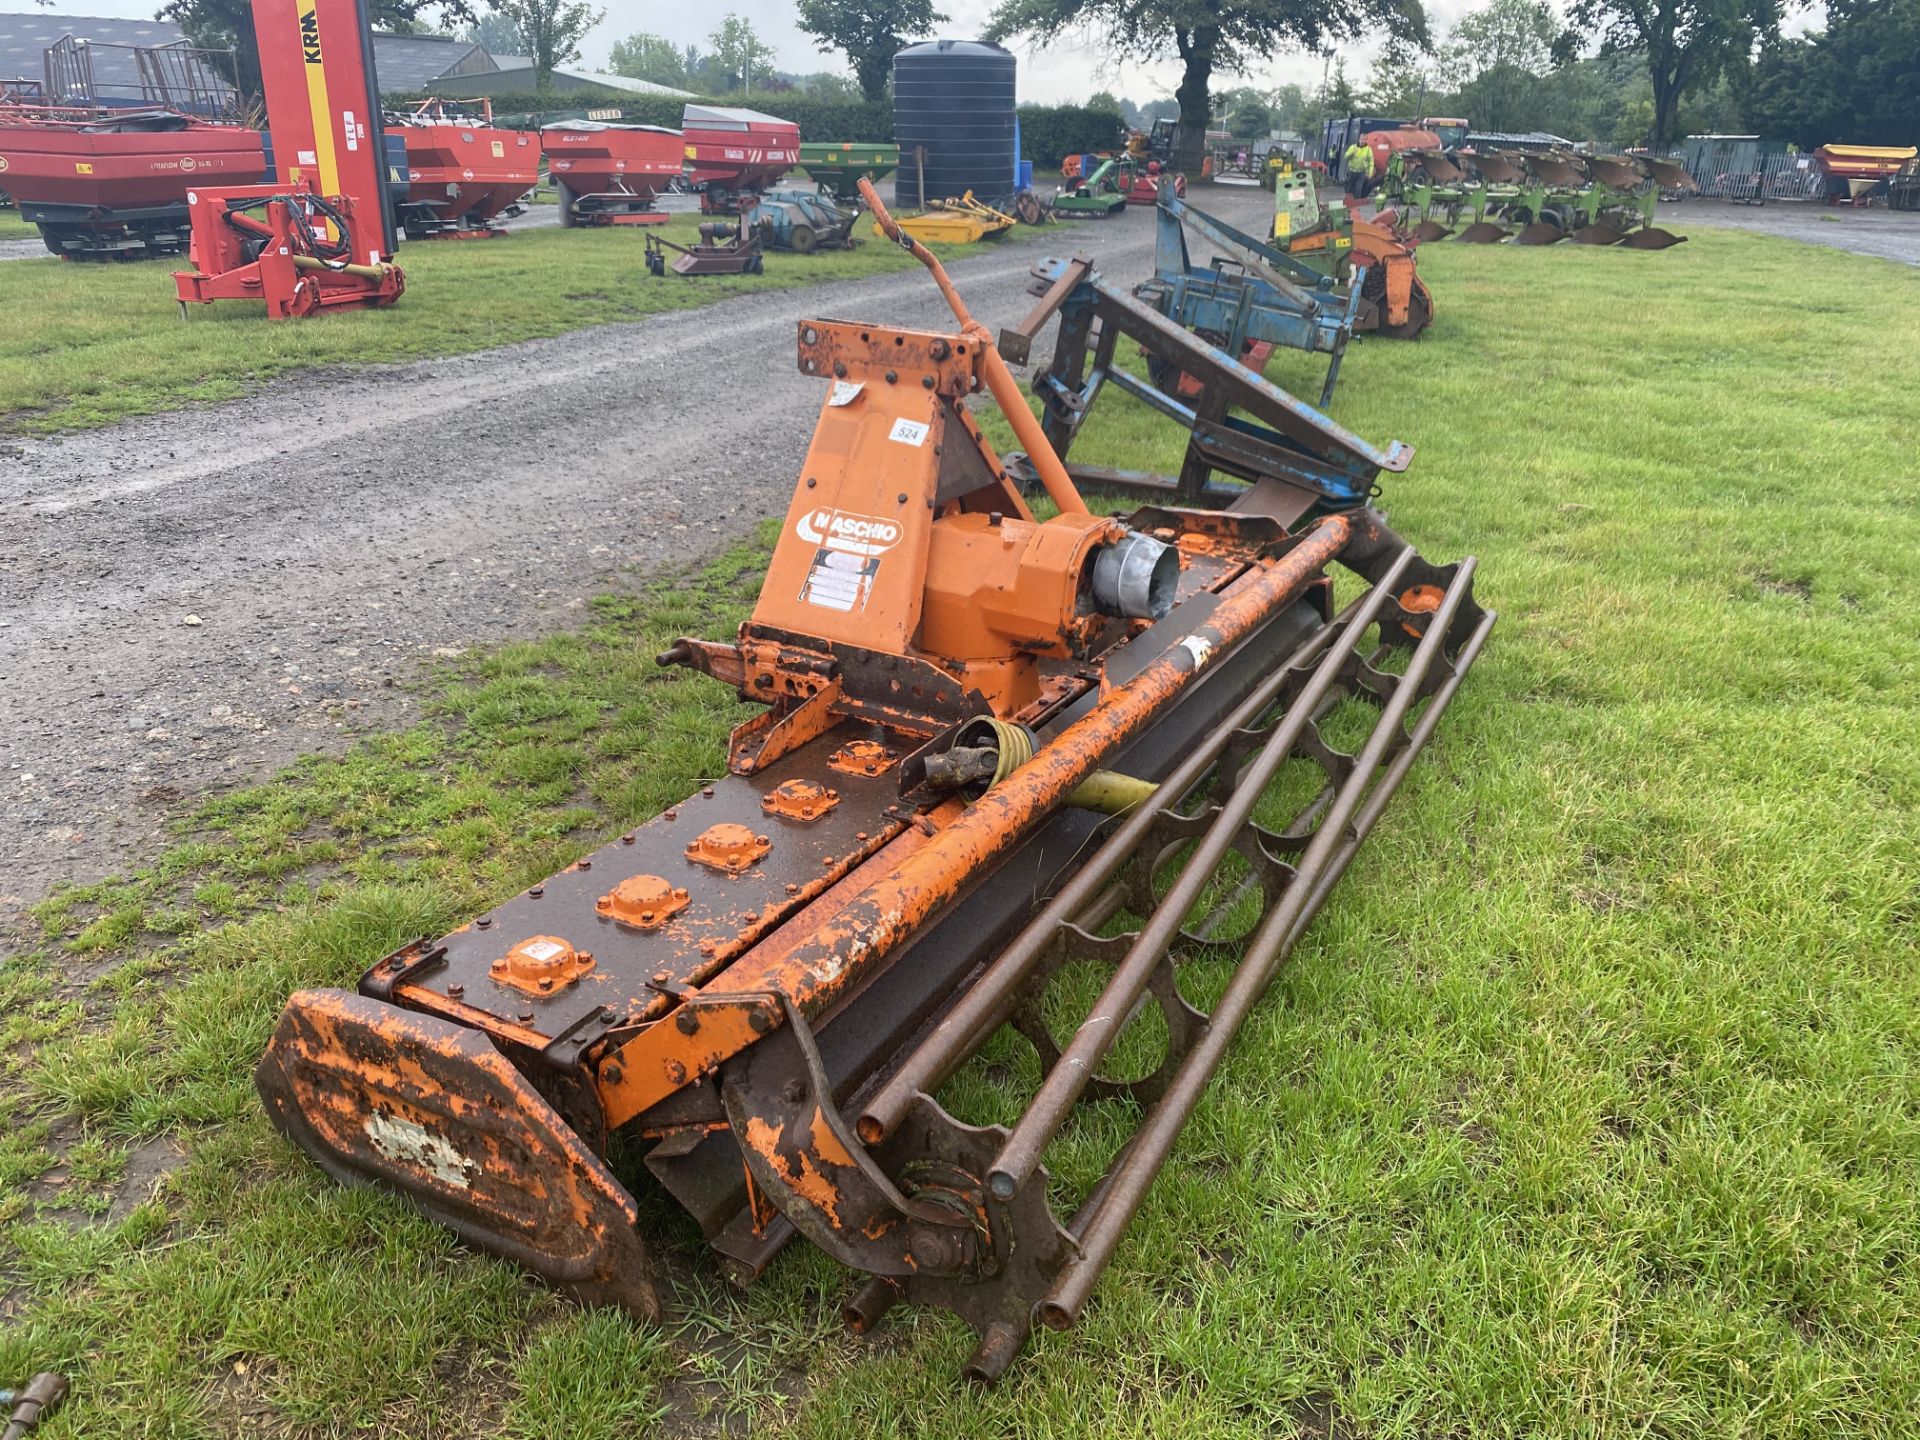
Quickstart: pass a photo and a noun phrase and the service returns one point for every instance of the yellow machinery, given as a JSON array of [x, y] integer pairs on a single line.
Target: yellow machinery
[[955, 222]]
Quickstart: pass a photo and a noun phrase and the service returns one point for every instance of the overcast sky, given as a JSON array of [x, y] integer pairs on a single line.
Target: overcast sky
[[1065, 71]]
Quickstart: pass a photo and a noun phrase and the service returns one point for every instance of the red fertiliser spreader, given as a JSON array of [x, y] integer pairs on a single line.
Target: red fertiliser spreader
[[610, 174], [105, 185], [463, 174], [734, 155]]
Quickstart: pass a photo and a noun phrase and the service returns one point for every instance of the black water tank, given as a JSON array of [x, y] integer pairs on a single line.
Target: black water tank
[[955, 97]]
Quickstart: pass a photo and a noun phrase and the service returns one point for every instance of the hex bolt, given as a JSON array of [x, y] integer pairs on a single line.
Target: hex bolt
[[628, 839], [707, 790], [526, 1017], [811, 482], [901, 498], [794, 1091], [926, 382], [537, 891], [456, 991], [686, 1022], [485, 922], [612, 1074], [676, 1072], [586, 864], [608, 1014]]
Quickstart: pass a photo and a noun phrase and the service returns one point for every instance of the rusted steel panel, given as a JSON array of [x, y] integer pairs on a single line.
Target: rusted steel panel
[[377, 1093]]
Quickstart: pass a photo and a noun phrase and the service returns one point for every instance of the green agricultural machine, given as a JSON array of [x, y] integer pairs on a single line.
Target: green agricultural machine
[[837, 167], [1098, 194], [1532, 199]]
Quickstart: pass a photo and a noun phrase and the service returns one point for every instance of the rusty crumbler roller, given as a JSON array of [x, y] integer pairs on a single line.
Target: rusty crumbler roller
[[989, 741]]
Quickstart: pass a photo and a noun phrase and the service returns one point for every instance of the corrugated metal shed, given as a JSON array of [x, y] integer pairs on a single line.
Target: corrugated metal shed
[[413, 62]]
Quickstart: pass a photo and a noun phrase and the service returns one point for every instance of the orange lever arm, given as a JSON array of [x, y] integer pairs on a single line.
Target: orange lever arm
[[1000, 382]]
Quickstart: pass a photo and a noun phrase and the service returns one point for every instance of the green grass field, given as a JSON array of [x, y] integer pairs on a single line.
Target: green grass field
[[88, 344], [1590, 1106], [12, 227]]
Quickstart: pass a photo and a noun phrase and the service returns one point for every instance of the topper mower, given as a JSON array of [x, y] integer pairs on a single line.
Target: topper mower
[[723, 249], [914, 846], [1097, 194], [952, 222]]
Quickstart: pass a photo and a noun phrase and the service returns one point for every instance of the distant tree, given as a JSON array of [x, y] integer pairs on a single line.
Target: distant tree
[[868, 32], [826, 85], [739, 54], [1398, 85], [550, 31], [493, 34], [655, 58], [1337, 98], [1688, 44], [1208, 37], [1245, 110], [1292, 108], [1495, 62], [1858, 81], [1107, 100], [228, 25]]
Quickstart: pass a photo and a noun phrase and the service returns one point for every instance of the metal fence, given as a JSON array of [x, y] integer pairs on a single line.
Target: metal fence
[[1756, 179]]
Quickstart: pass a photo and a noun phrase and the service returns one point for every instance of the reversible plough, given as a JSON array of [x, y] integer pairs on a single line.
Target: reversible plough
[[996, 748], [1534, 198]]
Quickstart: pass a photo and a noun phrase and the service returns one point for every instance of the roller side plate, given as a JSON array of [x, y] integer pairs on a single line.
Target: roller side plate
[[377, 1094]]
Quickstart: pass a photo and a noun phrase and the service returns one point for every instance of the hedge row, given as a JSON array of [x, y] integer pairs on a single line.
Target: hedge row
[[1047, 132]]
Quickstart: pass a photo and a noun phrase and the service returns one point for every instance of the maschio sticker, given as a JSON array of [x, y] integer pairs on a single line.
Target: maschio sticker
[[846, 530]]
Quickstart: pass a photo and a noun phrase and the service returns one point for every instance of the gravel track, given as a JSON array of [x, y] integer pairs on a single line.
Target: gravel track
[[190, 601], [1889, 234]]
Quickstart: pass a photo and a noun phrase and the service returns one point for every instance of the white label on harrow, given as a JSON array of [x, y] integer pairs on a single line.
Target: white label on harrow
[[1200, 649], [353, 135], [908, 432], [840, 581], [845, 392], [541, 950], [406, 1142]]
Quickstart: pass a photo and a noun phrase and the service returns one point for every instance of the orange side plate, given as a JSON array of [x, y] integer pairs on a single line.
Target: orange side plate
[[377, 1093]]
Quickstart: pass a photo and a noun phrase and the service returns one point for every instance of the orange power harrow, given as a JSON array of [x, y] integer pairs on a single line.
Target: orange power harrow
[[995, 748]]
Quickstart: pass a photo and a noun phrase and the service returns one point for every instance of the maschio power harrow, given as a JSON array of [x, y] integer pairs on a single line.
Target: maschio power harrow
[[994, 747], [1536, 199]]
